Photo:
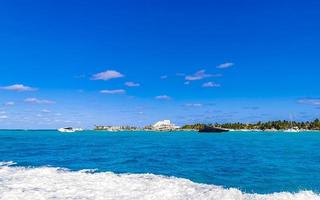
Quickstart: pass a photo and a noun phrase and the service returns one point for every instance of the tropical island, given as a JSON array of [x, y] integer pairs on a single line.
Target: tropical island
[[262, 126], [166, 125]]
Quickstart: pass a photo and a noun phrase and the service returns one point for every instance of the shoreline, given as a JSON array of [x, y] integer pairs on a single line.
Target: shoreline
[[162, 131]]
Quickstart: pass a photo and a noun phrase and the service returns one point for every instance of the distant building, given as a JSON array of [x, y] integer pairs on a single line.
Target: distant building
[[164, 125], [115, 128]]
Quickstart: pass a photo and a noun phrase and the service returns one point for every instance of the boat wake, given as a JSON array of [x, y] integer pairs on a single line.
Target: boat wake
[[57, 183]]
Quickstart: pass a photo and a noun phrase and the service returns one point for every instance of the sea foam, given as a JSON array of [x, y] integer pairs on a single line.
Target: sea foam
[[56, 183]]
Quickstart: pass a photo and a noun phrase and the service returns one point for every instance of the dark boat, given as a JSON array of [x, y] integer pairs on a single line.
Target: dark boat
[[211, 129]]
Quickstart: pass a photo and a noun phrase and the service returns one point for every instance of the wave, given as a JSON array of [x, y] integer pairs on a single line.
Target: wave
[[57, 183]]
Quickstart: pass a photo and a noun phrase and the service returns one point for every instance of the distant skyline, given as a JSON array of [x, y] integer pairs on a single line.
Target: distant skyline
[[86, 63]]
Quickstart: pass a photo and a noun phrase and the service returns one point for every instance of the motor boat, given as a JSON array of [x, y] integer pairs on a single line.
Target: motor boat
[[69, 130], [211, 129]]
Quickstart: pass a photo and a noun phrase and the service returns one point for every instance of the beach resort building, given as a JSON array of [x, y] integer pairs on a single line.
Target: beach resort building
[[164, 125]]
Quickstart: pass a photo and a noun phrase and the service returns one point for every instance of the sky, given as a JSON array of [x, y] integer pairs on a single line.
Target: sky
[[85, 63]]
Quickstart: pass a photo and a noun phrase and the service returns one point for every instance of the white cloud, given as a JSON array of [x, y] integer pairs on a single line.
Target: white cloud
[[132, 84], [120, 91], [200, 75], [45, 111], [163, 97], [225, 65], [9, 103], [211, 84], [194, 105], [107, 75], [310, 101], [39, 101], [4, 117], [18, 87]]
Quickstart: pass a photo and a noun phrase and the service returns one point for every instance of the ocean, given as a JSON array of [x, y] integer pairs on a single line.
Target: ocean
[[166, 165]]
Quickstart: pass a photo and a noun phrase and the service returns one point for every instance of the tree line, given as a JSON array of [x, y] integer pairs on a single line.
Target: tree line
[[277, 125]]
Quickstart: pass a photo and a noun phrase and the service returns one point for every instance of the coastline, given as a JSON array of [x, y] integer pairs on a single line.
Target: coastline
[[161, 131]]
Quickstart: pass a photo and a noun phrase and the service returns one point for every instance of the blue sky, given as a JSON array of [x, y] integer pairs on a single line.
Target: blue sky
[[81, 63]]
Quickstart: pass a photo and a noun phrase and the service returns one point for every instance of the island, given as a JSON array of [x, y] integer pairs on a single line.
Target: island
[[166, 125], [262, 126]]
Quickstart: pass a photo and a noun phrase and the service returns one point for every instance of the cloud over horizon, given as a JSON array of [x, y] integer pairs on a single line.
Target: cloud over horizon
[[4, 117], [163, 97], [9, 103], [310, 101], [194, 105], [199, 75], [45, 111], [119, 91], [210, 84], [225, 65], [251, 107], [18, 87], [38, 101], [132, 84], [107, 75]]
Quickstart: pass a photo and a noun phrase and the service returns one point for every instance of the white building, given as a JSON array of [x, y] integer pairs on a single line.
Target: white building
[[108, 128], [164, 125]]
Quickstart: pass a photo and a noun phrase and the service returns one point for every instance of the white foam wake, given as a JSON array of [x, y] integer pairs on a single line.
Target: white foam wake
[[54, 183]]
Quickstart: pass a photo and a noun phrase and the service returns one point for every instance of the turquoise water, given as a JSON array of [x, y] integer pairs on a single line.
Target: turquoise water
[[254, 162]]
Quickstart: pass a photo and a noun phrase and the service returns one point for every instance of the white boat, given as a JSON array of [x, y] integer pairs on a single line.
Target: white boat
[[69, 130], [292, 130]]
